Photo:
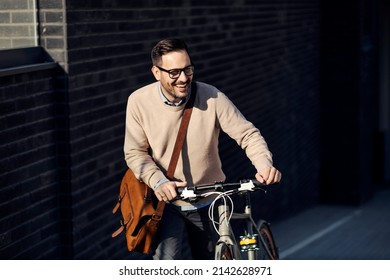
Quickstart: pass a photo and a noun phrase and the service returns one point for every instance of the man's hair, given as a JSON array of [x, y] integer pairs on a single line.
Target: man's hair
[[166, 46]]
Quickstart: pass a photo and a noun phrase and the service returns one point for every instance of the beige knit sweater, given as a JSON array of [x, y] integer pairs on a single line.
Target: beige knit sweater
[[152, 127]]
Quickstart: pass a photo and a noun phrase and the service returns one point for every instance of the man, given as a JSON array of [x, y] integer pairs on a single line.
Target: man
[[153, 117]]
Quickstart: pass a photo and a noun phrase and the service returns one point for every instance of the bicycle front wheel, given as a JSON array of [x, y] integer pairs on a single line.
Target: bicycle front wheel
[[268, 249], [223, 252]]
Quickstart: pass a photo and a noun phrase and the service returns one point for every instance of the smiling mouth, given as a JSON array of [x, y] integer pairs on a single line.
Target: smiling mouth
[[182, 87]]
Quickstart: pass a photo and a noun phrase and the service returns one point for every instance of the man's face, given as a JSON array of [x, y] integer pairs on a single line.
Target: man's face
[[177, 88]]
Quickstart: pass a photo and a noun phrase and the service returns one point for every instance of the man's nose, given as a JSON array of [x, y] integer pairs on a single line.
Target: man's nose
[[183, 77]]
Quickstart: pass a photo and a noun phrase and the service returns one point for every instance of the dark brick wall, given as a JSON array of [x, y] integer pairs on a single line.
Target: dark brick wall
[[262, 54], [31, 167]]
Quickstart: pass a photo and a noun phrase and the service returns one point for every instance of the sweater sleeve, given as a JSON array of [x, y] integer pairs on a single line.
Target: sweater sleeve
[[247, 136]]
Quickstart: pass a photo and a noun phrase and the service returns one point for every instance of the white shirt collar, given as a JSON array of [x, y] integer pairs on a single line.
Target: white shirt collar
[[170, 103]]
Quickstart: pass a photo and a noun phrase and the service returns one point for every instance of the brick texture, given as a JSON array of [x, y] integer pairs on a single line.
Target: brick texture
[[52, 29], [30, 165], [17, 24]]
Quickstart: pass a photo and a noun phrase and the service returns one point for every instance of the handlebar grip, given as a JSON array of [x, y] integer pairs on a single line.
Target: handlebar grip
[[257, 183]]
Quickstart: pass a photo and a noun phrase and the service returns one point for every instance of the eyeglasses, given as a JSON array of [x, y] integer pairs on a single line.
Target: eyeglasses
[[175, 73]]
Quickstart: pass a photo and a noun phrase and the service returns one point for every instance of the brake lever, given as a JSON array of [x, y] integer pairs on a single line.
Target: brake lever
[[186, 194], [247, 186], [258, 185]]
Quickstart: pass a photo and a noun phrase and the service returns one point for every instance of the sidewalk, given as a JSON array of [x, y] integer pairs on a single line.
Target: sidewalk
[[328, 232]]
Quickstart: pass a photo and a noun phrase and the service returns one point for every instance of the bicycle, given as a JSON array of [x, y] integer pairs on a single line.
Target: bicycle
[[257, 241]]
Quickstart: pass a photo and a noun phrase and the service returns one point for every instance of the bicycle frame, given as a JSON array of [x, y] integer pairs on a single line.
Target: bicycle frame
[[256, 236], [226, 232]]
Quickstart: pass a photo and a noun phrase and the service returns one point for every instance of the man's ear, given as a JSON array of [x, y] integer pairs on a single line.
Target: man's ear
[[156, 72]]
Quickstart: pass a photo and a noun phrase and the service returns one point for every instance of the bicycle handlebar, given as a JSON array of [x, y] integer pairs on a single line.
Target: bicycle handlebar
[[193, 192]]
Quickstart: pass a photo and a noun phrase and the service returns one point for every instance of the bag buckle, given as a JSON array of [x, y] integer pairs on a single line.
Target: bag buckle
[[156, 217]]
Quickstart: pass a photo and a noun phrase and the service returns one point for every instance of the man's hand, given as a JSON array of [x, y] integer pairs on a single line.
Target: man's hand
[[167, 191], [269, 175]]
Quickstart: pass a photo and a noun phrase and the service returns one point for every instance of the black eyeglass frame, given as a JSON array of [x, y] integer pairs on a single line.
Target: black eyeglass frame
[[177, 69]]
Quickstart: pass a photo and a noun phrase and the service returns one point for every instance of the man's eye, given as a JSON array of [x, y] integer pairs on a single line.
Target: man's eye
[[175, 72]]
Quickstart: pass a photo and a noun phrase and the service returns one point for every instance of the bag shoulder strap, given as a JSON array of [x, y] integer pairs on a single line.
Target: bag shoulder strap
[[182, 133], [178, 145]]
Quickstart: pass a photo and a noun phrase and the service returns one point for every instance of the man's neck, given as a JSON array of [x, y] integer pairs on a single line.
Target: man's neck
[[175, 102]]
